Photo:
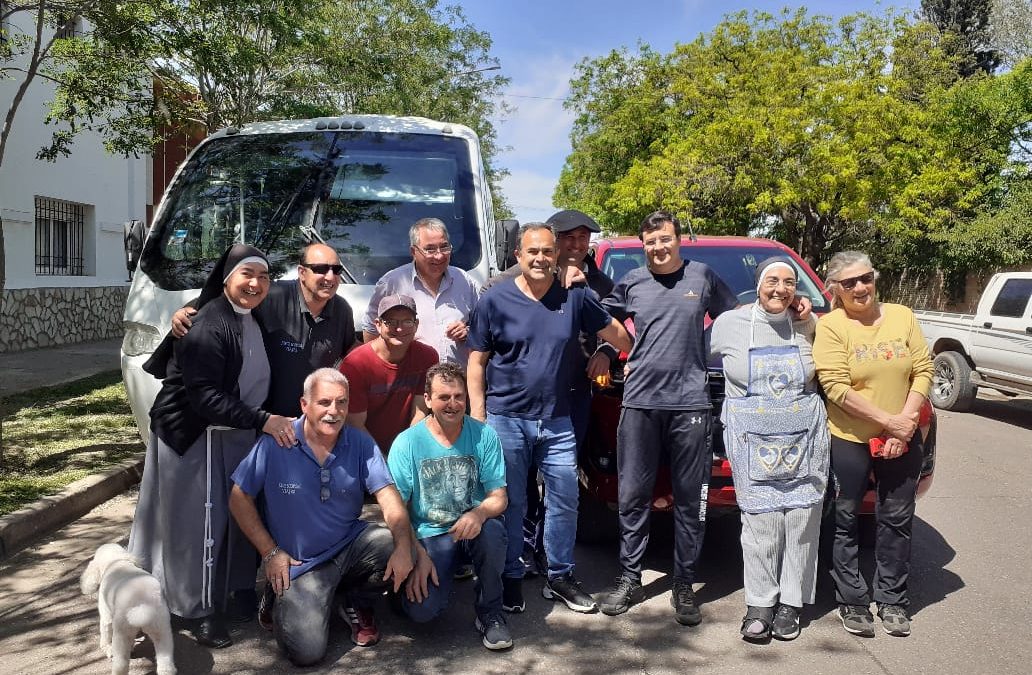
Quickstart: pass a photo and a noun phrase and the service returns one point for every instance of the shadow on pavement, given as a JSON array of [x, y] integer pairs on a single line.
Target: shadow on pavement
[[1016, 411]]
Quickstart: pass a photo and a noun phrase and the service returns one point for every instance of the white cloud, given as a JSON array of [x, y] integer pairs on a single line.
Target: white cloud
[[529, 194]]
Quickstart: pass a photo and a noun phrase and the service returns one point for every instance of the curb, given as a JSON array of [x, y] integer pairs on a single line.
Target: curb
[[29, 523]]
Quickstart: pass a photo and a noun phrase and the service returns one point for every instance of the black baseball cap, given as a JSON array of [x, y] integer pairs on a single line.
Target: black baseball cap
[[571, 219]]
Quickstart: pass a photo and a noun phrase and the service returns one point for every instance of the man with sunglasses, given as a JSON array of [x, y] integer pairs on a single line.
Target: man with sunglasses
[[318, 553], [444, 294], [305, 323], [387, 374]]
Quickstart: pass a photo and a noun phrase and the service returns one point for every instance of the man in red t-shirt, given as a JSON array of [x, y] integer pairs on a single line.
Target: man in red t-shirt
[[387, 374]]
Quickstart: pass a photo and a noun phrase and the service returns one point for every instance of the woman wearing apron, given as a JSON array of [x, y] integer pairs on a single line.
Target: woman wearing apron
[[203, 422], [776, 438]]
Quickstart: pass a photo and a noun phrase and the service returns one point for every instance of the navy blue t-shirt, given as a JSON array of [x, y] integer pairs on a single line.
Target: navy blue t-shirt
[[668, 362], [534, 346]]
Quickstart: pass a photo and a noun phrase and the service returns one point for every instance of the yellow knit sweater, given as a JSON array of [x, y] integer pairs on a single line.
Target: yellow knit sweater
[[882, 363]]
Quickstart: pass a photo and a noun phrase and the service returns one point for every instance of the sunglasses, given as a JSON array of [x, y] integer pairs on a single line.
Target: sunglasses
[[324, 488], [849, 283], [323, 268]]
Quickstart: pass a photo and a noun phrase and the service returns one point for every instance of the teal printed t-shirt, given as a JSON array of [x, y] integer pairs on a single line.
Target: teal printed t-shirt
[[439, 484]]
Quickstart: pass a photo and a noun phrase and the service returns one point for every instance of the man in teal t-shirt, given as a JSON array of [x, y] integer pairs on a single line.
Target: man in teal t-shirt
[[450, 473]]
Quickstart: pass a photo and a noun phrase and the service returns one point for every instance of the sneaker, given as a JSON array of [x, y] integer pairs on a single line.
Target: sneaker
[[682, 599], [857, 619], [531, 568], [569, 590], [620, 597], [463, 572], [265, 605], [894, 620], [364, 631], [495, 632], [512, 595], [786, 623]]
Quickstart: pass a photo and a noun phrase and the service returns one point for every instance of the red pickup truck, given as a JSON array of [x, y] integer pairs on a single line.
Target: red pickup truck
[[734, 259]]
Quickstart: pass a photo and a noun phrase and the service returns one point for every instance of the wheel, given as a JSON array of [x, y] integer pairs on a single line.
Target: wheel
[[597, 523], [951, 383]]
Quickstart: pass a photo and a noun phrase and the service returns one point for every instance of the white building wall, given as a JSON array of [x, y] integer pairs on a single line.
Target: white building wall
[[114, 189]]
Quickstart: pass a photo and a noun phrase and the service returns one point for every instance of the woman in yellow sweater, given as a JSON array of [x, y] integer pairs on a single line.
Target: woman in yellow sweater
[[873, 363]]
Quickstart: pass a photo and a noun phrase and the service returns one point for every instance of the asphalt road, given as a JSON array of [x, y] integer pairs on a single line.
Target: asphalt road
[[971, 590]]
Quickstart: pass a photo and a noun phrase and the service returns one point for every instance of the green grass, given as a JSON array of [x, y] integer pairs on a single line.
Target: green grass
[[53, 436]]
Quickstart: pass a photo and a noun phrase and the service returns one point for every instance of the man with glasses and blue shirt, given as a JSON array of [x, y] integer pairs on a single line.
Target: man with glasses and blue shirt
[[444, 295], [387, 374], [318, 553]]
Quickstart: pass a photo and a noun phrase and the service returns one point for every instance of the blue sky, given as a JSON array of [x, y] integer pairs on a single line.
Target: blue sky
[[538, 43]]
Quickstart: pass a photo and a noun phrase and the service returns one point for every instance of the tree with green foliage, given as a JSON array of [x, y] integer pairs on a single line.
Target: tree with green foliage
[[1011, 22], [138, 69], [969, 21], [823, 135]]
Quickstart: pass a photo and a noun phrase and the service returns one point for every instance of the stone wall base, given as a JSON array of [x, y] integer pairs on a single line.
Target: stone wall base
[[31, 318]]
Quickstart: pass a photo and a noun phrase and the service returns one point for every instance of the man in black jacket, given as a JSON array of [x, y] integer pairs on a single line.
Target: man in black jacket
[[305, 323]]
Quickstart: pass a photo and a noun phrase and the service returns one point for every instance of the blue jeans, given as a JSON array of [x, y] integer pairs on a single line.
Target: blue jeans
[[487, 551], [551, 446]]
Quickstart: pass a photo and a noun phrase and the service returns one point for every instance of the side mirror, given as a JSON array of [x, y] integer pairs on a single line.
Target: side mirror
[[505, 243], [133, 234]]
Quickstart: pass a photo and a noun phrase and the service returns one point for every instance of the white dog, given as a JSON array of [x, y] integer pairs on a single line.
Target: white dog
[[129, 600]]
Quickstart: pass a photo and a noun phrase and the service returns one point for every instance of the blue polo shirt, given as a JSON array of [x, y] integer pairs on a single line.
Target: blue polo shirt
[[534, 346], [302, 523]]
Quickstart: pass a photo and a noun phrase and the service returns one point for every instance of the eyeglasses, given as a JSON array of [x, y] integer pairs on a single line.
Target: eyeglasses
[[443, 249], [323, 268], [324, 488], [772, 282], [849, 283], [398, 323]]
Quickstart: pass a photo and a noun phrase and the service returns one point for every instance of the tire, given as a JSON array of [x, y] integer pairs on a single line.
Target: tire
[[951, 383], [596, 522]]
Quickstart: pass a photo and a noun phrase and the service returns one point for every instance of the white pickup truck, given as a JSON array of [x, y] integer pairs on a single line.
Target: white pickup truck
[[991, 348]]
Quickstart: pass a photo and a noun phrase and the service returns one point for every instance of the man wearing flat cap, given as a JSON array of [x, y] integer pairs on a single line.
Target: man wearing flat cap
[[387, 374]]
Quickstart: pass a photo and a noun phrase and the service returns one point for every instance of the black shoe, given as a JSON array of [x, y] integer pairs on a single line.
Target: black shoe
[[212, 631], [619, 598], [569, 590], [786, 623], [512, 595], [756, 625], [265, 606], [857, 619], [682, 599], [463, 572], [242, 606], [531, 568]]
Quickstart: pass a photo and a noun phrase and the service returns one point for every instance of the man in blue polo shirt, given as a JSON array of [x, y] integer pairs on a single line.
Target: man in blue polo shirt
[[524, 336], [314, 546]]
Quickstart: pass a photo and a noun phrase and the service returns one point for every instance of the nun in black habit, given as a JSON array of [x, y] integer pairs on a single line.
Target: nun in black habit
[[204, 421]]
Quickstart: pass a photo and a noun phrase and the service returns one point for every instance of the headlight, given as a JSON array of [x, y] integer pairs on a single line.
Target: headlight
[[140, 339]]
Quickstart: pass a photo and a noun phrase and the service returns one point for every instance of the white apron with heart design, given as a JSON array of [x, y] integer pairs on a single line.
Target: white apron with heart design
[[776, 436]]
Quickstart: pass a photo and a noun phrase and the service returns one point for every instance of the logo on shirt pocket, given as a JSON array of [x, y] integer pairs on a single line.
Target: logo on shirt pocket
[[290, 346], [691, 295]]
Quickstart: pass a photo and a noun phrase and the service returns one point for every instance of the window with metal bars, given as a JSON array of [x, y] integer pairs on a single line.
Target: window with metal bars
[[59, 237], [68, 26]]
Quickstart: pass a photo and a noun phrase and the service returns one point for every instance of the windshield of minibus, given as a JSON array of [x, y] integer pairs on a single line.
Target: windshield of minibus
[[360, 191], [736, 265]]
